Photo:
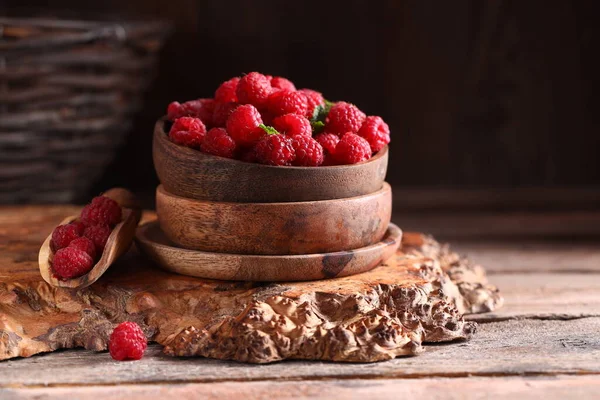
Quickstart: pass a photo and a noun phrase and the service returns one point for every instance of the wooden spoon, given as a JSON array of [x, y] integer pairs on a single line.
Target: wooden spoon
[[118, 242]]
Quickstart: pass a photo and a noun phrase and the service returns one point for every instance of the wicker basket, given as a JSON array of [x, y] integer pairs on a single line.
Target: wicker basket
[[67, 93]]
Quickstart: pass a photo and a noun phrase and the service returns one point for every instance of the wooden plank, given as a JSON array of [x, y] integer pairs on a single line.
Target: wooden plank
[[549, 388], [517, 347], [513, 225], [545, 296], [532, 256]]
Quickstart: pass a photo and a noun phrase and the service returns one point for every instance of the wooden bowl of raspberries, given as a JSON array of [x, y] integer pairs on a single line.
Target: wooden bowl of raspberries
[[266, 169], [261, 140]]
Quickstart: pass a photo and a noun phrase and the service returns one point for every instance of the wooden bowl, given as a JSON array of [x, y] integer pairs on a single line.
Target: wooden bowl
[[154, 244], [275, 228], [192, 174]]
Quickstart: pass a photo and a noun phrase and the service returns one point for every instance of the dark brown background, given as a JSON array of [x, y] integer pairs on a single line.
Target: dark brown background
[[478, 94]]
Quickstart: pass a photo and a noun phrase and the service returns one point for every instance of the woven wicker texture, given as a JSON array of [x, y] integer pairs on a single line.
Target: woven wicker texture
[[68, 90]]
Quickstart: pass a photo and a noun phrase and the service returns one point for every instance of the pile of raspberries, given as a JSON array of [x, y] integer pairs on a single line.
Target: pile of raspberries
[[265, 119], [77, 246]]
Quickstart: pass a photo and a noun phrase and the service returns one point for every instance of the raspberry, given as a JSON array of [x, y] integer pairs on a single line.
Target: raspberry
[[313, 99], [309, 152], [292, 125], [201, 108], [98, 234], [222, 112], [247, 155], [352, 149], [254, 89], [344, 117], [279, 82], [63, 235], [71, 262], [218, 143], [328, 140], [127, 342], [376, 132], [188, 131], [243, 125], [102, 210], [84, 244], [275, 150], [287, 102], [226, 92]]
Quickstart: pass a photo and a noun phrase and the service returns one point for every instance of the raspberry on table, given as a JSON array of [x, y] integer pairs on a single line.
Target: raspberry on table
[[309, 153], [226, 93], [279, 82], [243, 125], [328, 140], [222, 112], [63, 235], [344, 117], [98, 234], [313, 99], [84, 244], [292, 125], [376, 132], [71, 262], [352, 149], [254, 89], [188, 131], [201, 108], [285, 101], [127, 342], [102, 210], [218, 142], [275, 150]]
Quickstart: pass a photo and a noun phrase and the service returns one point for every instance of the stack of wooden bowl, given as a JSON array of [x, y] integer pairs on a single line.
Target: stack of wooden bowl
[[227, 219]]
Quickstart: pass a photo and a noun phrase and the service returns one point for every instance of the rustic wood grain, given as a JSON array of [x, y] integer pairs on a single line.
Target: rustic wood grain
[[275, 228], [508, 348], [152, 242], [373, 316], [546, 296], [551, 388], [192, 174], [533, 255]]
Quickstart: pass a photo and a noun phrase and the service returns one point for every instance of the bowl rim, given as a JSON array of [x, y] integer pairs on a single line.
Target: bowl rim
[[159, 132], [386, 187]]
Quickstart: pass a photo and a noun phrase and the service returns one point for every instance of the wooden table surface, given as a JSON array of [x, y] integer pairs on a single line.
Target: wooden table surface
[[544, 343]]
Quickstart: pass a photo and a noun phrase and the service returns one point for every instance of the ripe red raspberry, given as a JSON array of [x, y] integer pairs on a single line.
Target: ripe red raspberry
[[279, 82], [102, 210], [226, 92], [254, 89], [188, 131], [292, 125], [284, 102], [275, 150], [201, 108], [98, 234], [243, 125], [218, 143], [127, 342], [309, 152], [344, 117], [352, 149], [328, 140], [376, 132], [65, 234], [313, 99], [84, 244], [222, 112], [70, 263]]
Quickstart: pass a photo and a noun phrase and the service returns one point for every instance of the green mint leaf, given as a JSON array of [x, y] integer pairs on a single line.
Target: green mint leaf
[[317, 113], [317, 126], [268, 129]]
